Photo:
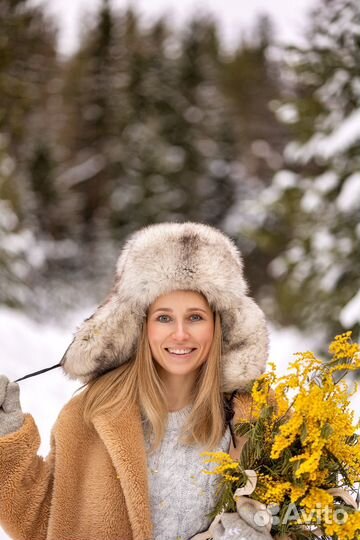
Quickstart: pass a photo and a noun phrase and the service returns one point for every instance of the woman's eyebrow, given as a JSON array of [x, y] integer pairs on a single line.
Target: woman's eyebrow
[[189, 309]]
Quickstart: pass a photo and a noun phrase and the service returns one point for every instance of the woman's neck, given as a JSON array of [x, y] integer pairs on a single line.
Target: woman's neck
[[178, 390]]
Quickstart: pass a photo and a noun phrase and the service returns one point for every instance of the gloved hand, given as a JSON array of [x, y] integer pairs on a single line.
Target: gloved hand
[[11, 416], [232, 527]]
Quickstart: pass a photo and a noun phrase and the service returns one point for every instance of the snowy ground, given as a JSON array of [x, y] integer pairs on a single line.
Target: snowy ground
[[27, 346]]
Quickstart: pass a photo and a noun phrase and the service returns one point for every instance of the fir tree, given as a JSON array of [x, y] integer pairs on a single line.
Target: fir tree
[[178, 143], [17, 245], [250, 78], [88, 134], [27, 67], [164, 148], [312, 209]]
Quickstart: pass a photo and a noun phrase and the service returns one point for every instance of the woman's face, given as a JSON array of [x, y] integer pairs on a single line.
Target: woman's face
[[180, 329]]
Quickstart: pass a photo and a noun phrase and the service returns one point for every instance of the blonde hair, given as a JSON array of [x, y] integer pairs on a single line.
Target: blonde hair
[[138, 382]]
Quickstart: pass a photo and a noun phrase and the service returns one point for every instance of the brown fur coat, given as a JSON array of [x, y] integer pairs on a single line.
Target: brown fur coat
[[92, 485]]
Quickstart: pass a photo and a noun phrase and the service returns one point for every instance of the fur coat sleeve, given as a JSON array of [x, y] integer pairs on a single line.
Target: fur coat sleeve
[[26, 482], [93, 484]]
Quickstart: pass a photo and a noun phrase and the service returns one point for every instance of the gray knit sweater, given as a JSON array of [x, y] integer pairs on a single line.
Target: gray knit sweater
[[181, 495]]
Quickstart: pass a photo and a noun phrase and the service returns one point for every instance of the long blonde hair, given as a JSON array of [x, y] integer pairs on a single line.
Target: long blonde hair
[[138, 382]]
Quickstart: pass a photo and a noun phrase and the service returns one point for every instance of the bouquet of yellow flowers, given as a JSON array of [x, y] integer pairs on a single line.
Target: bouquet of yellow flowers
[[302, 452]]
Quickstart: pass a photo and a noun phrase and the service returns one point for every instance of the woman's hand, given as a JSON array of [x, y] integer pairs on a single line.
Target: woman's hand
[[11, 416], [232, 527], [252, 522]]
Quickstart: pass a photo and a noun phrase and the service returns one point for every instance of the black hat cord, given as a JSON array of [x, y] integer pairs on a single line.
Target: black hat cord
[[38, 372]]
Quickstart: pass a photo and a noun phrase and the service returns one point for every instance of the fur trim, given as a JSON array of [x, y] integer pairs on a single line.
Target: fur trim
[[157, 260]]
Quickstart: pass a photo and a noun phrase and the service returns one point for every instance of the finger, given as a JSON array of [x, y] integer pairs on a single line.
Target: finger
[[255, 514], [229, 528], [231, 520], [4, 381], [218, 531], [12, 399]]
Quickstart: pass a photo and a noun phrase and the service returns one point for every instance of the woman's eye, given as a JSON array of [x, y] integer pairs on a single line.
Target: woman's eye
[[166, 318], [161, 316]]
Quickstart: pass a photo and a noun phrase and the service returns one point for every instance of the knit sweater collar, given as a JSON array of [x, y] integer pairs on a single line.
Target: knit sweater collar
[[176, 419]]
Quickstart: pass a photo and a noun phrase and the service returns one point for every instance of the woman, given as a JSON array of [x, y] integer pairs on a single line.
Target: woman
[[161, 360]]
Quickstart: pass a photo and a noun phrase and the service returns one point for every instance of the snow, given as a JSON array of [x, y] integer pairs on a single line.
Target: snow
[[282, 181], [322, 240], [234, 17], [350, 314], [326, 182], [278, 267], [82, 172], [311, 201], [329, 280], [285, 179], [8, 219], [7, 165], [287, 113], [326, 146], [27, 346], [349, 197]]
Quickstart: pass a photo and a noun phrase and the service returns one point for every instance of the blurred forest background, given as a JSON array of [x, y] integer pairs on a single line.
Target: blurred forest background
[[143, 124]]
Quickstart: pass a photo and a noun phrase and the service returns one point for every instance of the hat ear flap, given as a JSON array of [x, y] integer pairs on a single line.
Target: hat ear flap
[[245, 345], [104, 341]]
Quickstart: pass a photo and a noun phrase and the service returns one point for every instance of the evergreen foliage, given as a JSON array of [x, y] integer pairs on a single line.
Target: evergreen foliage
[[143, 124], [309, 217], [154, 127], [18, 252], [27, 62]]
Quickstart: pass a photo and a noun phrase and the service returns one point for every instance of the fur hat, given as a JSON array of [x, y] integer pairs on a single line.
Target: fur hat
[[156, 260]]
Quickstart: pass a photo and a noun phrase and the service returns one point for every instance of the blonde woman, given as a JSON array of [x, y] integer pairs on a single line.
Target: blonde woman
[[165, 362]]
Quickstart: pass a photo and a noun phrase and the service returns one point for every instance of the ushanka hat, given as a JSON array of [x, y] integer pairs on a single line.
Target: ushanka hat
[[156, 260]]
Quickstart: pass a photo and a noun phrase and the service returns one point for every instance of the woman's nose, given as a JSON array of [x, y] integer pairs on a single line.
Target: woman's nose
[[180, 332]]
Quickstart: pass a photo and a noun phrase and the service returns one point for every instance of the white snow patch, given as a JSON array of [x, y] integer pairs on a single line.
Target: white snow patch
[[278, 267], [285, 179], [8, 218], [295, 254], [284, 343], [322, 240], [82, 172], [329, 280], [326, 182], [27, 346], [310, 202], [287, 113], [326, 146], [350, 314], [349, 197], [282, 181]]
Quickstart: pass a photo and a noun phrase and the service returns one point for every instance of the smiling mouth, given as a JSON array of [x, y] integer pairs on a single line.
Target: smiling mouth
[[180, 354]]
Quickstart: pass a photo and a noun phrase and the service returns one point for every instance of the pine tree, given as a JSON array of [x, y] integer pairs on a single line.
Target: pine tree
[[91, 113], [27, 57], [182, 129], [312, 209], [17, 244], [27, 69], [250, 78], [164, 149]]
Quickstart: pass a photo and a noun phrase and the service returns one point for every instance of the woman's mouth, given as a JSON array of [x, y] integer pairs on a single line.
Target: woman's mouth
[[180, 353]]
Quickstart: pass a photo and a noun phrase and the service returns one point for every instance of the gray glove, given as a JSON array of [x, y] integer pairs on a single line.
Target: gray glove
[[233, 527], [11, 416]]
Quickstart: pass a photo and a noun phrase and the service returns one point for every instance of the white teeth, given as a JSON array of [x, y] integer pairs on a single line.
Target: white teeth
[[180, 351]]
